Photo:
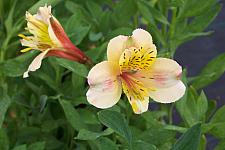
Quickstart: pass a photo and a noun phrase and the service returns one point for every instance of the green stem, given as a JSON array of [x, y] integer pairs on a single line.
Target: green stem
[[136, 20], [175, 128], [172, 32]]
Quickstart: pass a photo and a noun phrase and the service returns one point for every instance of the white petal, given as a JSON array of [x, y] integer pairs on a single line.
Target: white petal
[[116, 47], [35, 64], [142, 38], [140, 106], [105, 88], [168, 95]]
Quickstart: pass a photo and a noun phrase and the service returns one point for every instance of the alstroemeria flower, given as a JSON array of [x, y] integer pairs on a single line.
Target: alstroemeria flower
[[49, 37], [132, 67]]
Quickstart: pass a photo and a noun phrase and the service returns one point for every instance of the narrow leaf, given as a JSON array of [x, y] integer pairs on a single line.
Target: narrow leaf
[[89, 135], [117, 122], [189, 140], [4, 105], [72, 115], [73, 66]]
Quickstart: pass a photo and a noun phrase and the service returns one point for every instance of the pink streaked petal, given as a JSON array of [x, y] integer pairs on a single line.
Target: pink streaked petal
[[163, 73], [105, 88], [35, 64]]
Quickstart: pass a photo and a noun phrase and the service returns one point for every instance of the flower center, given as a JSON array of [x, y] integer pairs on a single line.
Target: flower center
[[40, 39], [131, 62]]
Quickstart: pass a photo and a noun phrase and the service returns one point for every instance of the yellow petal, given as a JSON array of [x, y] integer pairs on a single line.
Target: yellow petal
[[134, 59], [35, 64], [140, 106], [105, 88], [116, 47]]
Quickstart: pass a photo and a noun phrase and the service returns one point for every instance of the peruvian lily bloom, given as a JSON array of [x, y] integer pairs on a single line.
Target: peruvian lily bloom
[[132, 67], [49, 37]]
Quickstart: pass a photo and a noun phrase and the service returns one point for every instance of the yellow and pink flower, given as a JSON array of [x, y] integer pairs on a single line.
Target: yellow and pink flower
[[49, 37], [132, 67]]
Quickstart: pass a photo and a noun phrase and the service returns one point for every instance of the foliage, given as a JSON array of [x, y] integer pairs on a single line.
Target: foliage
[[49, 110]]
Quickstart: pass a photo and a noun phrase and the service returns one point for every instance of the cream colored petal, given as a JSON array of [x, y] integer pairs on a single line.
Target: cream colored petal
[[105, 88], [116, 47], [44, 13], [29, 43], [35, 64], [168, 95], [140, 106], [142, 38], [163, 73]]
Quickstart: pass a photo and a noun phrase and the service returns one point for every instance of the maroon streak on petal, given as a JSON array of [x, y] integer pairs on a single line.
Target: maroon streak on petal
[[63, 38], [64, 54]]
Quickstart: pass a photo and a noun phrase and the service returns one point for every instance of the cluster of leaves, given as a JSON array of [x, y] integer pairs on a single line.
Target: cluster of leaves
[[49, 110]]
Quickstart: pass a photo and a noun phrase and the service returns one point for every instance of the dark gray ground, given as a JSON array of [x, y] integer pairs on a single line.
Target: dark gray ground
[[195, 54]]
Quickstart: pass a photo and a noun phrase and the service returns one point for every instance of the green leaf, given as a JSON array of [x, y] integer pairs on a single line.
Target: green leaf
[[183, 105], [20, 147], [9, 20], [217, 123], [117, 122], [189, 140], [4, 105], [4, 142], [37, 146], [156, 13], [95, 36], [211, 72], [42, 3], [121, 16], [77, 28], [201, 22], [119, 31], [157, 136], [201, 106], [177, 3], [197, 7], [73, 66], [202, 144], [141, 145], [72, 115], [89, 135], [17, 66], [145, 12], [94, 9], [104, 143]]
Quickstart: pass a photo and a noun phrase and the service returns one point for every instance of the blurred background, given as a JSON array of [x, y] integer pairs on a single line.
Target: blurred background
[[194, 55]]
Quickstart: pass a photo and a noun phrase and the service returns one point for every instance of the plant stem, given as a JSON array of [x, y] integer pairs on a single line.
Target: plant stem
[[172, 47]]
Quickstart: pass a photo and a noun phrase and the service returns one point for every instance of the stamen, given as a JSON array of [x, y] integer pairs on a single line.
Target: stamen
[[25, 50]]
